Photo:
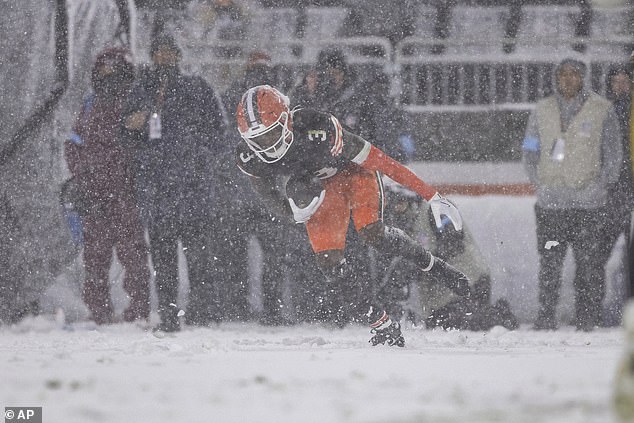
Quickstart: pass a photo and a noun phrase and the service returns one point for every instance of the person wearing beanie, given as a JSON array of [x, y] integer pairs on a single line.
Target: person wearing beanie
[[164, 42], [572, 153], [174, 122], [102, 172], [166, 56]]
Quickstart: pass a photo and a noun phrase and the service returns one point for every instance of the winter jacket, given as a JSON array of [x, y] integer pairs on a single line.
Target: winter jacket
[[605, 166], [576, 163], [99, 163], [623, 192], [353, 104], [176, 173]]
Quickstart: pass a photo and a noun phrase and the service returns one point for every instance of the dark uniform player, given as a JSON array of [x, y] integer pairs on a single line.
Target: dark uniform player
[[304, 143]]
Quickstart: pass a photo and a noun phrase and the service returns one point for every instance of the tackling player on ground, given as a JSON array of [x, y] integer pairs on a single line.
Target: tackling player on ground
[[305, 144]]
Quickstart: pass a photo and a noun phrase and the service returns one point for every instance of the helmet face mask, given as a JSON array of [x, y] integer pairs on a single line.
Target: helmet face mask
[[272, 144], [264, 122]]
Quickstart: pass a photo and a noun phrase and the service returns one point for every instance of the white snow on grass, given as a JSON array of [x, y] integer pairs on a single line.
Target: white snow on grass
[[308, 373], [246, 373]]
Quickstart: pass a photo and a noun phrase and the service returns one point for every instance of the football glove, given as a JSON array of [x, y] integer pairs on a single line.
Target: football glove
[[440, 206], [302, 214]]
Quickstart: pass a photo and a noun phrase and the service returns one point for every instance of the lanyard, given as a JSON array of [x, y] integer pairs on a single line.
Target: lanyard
[[160, 96]]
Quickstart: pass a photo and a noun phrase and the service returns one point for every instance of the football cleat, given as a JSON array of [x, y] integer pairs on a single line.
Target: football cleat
[[390, 335], [384, 329]]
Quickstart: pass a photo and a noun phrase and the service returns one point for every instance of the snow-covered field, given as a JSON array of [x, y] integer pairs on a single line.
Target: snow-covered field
[[248, 373]]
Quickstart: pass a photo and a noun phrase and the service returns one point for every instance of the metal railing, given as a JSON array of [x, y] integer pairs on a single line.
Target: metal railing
[[423, 80], [475, 68], [222, 61], [421, 77], [358, 50]]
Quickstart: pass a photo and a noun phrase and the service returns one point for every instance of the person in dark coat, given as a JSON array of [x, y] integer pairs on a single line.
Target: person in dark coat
[[339, 90], [620, 194], [102, 173], [240, 212], [438, 306], [619, 91], [177, 121]]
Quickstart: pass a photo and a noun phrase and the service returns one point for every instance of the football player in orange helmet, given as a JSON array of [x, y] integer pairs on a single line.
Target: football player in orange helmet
[[282, 144]]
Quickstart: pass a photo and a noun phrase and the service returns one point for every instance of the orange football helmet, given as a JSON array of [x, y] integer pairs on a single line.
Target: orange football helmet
[[264, 122]]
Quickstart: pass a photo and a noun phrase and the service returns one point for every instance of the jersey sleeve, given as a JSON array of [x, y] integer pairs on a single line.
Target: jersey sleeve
[[363, 153]]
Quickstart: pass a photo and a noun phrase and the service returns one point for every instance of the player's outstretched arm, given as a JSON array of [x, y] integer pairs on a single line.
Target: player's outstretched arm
[[368, 156]]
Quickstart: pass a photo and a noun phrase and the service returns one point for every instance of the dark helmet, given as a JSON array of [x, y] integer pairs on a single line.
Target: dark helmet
[[113, 66]]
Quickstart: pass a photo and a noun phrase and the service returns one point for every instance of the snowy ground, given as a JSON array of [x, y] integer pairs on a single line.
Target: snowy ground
[[248, 373]]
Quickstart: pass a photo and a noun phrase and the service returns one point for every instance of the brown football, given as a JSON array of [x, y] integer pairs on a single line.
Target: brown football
[[302, 189]]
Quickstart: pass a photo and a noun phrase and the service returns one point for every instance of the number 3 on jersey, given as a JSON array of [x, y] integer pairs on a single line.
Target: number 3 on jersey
[[245, 157]]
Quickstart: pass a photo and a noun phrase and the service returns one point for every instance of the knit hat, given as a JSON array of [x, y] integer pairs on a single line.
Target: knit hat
[[113, 61]]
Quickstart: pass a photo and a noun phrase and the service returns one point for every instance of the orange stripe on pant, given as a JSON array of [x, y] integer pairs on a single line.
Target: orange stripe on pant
[[354, 191]]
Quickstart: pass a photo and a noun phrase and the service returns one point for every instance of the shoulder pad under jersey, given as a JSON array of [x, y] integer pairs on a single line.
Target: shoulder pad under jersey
[[321, 131]]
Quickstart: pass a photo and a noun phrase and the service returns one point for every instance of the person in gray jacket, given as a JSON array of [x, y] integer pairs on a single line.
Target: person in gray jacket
[[572, 153]]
